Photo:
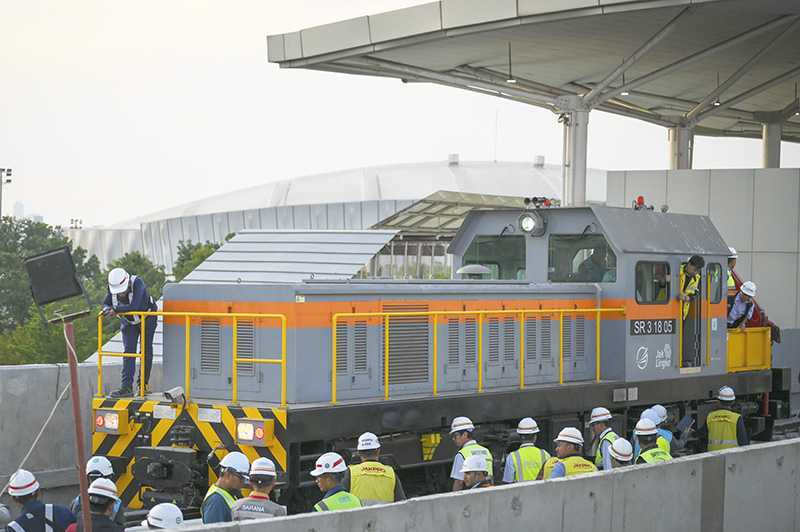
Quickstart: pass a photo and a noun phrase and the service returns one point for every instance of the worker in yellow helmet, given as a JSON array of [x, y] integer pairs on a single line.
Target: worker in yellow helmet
[[724, 428], [371, 481]]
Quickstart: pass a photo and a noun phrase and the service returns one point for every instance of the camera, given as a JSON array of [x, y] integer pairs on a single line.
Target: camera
[[175, 395]]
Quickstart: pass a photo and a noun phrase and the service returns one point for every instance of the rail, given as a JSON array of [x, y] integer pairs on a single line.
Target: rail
[[434, 317], [188, 317]]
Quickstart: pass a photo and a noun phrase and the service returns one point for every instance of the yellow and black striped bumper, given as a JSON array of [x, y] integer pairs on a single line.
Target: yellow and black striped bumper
[[150, 423]]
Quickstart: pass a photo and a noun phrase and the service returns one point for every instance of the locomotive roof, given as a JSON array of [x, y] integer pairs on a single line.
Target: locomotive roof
[[632, 231]]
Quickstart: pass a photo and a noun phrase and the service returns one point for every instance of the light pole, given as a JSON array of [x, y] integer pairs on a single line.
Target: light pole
[[5, 179]]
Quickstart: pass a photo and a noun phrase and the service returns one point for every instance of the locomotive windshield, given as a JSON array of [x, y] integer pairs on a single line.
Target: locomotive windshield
[[503, 255], [583, 258]]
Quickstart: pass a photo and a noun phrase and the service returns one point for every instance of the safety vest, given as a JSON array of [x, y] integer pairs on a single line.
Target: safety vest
[[229, 499], [722, 426], [577, 465], [528, 461], [341, 500], [607, 435], [663, 444], [548, 467], [372, 481], [49, 523], [473, 448], [731, 282], [688, 288], [654, 456]]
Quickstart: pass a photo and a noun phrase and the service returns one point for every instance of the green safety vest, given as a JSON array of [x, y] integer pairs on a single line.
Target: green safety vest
[[229, 499], [528, 461], [607, 435], [722, 430], [654, 456], [663, 444], [731, 282], [341, 500], [577, 465], [474, 448]]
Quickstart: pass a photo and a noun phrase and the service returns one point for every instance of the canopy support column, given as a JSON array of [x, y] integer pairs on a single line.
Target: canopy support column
[[681, 147], [575, 117]]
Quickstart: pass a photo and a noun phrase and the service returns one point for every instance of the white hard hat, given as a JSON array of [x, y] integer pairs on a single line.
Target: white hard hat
[[461, 423], [263, 467], [329, 463], [652, 415], [99, 466], [164, 515], [749, 288], [22, 483], [622, 450], [118, 280], [661, 412], [368, 441], [236, 461], [527, 425], [475, 463], [732, 253], [599, 414], [726, 394], [104, 487], [645, 427], [570, 435]]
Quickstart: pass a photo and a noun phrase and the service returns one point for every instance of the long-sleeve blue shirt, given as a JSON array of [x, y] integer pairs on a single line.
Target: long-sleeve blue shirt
[[140, 299]]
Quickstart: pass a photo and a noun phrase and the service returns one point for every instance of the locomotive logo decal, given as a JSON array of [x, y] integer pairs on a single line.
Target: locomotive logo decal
[[664, 357], [642, 358]]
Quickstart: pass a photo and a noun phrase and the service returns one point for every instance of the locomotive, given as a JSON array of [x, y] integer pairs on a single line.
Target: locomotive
[[576, 307]]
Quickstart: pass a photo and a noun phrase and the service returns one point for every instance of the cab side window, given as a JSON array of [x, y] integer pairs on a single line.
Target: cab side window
[[715, 282], [585, 258], [652, 283]]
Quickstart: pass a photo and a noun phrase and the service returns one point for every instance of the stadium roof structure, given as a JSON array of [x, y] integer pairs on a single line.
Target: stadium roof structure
[[708, 67]]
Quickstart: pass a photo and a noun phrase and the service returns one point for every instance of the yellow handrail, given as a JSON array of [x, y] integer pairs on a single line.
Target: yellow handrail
[[385, 316], [234, 316]]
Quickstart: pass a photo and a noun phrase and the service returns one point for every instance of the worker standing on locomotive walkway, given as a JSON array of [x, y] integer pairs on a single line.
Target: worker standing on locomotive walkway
[[743, 306], [128, 293], [526, 462], [257, 505], [461, 432], [36, 516], [647, 434], [569, 445], [604, 436], [328, 473], [724, 428], [221, 496], [371, 481]]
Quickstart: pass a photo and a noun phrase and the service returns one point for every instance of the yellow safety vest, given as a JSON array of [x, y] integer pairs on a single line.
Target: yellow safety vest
[[607, 435], [548, 467], [341, 500], [528, 461], [577, 465], [473, 448], [229, 499], [689, 289], [372, 481], [654, 456], [731, 282], [663, 444], [722, 426]]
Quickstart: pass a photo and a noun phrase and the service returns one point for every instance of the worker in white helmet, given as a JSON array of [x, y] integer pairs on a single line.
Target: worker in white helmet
[[164, 515], [328, 473], [99, 467], [257, 505], [221, 496], [476, 473], [661, 416], [527, 461], [724, 428], [603, 437], [36, 516], [661, 442], [647, 435], [743, 306], [371, 481], [461, 430], [128, 293], [102, 499], [621, 453], [732, 256], [569, 446]]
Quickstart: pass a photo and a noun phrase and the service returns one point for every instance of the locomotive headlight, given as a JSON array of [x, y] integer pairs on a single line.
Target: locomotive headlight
[[527, 223], [255, 432], [531, 223], [111, 421], [245, 431]]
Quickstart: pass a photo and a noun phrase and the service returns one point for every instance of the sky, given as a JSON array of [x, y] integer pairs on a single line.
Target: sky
[[111, 110]]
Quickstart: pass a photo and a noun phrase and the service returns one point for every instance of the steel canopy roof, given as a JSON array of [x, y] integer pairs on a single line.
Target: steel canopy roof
[[721, 66]]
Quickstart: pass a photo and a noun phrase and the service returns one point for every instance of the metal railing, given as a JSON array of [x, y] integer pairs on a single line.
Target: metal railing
[[434, 318], [188, 316]]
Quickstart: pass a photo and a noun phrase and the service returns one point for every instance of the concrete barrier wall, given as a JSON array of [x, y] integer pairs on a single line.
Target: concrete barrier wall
[[749, 489], [27, 394]]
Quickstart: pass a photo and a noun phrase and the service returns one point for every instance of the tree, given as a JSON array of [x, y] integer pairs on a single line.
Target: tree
[[190, 256]]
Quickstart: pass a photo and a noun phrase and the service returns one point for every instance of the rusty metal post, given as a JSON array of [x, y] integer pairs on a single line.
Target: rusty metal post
[[69, 333]]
